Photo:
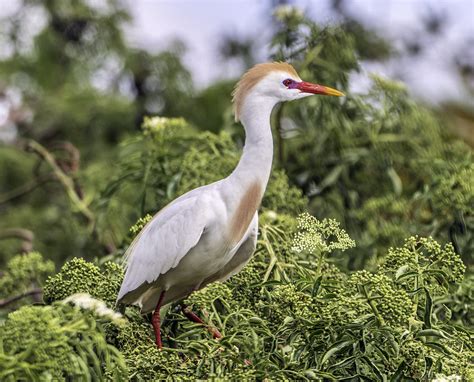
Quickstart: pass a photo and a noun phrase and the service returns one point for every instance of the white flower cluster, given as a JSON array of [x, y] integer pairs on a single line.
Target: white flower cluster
[[98, 307], [155, 123], [315, 236], [158, 124], [285, 12]]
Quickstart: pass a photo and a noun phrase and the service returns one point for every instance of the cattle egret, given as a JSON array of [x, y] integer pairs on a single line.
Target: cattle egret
[[210, 233]]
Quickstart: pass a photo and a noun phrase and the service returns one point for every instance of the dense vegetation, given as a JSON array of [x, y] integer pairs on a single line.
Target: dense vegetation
[[363, 269]]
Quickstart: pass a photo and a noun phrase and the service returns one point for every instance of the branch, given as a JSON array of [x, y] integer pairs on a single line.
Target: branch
[[25, 235], [11, 300], [64, 179], [72, 164]]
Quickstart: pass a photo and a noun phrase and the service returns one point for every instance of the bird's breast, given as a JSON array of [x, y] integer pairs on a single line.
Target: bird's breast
[[244, 211]]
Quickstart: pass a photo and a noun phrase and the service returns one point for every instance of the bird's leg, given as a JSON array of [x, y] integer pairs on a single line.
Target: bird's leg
[[195, 318], [155, 321]]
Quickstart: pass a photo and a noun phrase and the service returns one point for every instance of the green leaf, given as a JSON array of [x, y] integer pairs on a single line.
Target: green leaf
[[397, 376], [343, 363], [374, 368], [428, 309], [406, 275], [331, 178], [431, 333], [338, 346], [401, 271], [396, 181], [316, 286], [439, 347]]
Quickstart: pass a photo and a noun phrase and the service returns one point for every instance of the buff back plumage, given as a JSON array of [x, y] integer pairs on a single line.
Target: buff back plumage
[[252, 77]]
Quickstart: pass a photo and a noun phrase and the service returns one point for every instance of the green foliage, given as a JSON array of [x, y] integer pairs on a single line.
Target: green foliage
[[435, 265], [59, 342], [379, 162], [453, 189], [284, 318], [74, 81], [24, 272], [80, 276]]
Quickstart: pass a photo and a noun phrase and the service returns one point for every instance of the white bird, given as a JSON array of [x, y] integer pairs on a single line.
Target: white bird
[[210, 233]]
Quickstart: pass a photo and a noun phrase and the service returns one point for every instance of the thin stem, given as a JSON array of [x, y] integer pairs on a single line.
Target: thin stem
[[320, 264], [273, 257], [373, 307]]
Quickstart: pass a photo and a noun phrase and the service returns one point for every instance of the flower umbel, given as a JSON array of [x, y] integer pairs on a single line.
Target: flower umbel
[[320, 236]]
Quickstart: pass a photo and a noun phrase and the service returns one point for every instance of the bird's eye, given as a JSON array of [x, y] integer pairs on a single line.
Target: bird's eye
[[287, 82]]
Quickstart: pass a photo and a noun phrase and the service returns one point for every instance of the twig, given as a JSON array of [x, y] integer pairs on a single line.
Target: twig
[[72, 164], [8, 301], [63, 178]]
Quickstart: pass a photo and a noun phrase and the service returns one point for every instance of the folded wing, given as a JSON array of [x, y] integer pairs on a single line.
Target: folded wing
[[163, 242]]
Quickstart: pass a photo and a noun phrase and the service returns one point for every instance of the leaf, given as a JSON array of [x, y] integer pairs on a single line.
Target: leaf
[[441, 276], [428, 309], [315, 373], [401, 271], [338, 346], [439, 347], [396, 181], [316, 286], [329, 296], [397, 376], [343, 363], [330, 178], [374, 368], [431, 333], [406, 275]]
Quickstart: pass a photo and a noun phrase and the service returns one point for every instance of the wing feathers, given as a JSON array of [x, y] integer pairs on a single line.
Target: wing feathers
[[163, 243]]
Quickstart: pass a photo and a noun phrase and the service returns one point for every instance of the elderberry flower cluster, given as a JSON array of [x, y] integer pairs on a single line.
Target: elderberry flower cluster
[[81, 276], [320, 236], [138, 226], [156, 125]]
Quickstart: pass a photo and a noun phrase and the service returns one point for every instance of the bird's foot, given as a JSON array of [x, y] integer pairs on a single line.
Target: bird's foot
[[216, 334], [195, 318]]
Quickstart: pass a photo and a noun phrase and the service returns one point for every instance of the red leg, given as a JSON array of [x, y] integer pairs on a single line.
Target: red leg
[[195, 318], [155, 321]]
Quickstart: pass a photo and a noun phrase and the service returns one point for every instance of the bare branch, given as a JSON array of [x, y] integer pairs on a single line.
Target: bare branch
[[64, 179]]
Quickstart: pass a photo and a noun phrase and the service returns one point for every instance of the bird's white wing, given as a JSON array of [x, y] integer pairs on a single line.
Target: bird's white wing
[[163, 242]]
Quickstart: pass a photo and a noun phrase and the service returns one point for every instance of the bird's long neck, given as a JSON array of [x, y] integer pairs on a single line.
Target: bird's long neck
[[249, 179], [256, 162]]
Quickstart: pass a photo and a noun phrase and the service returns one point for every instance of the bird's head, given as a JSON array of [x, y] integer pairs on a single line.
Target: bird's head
[[276, 81]]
